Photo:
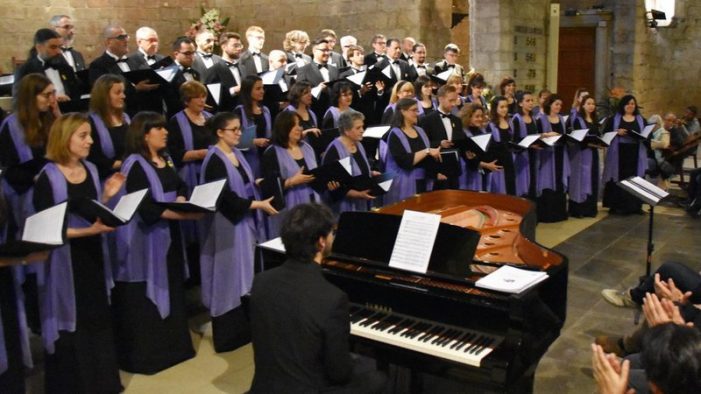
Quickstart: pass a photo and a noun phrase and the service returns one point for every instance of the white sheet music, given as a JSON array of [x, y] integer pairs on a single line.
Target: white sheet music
[[579, 135], [283, 85], [357, 78], [415, 239], [445, 74], [7, 79], [565, 117], [551, 140], [346, 163], [608, 137], [206, 195], [127, 205], [528, 140], [387, 71], [269, 78], [647, 130], [660, 193], [482, 141], [168, 73], [274, 244], [386, 185], [376, 131], [215, 91], [46, 227]]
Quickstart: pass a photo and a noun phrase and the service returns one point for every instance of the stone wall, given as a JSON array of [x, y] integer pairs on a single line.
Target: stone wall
[[426, 20]]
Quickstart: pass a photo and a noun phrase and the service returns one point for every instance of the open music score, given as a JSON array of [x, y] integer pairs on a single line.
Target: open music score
[[414, 244]]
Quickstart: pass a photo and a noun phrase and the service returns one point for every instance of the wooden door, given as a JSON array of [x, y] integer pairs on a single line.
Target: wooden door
[[575, 63]]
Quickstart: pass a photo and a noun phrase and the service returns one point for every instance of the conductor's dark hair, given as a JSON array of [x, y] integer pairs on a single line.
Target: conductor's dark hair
[[219, 121], [301, 229], [624, 100], [283, 124], [672, 358]]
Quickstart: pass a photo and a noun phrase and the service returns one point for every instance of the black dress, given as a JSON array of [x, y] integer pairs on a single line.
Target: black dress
[[12, 380], [405, 160], [201, 139], [104, 164], [230, 330], [84, 361], [505, 159], [551, 205], [588, 207], [616, 199], [146, 343]]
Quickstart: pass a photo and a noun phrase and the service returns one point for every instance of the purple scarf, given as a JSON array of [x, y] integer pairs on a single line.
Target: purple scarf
[[142, 249], [347, 204], [252, 155], [547, 178], [104, 134], [20, 205], [296, 195], [55, 277], [227, 249], [404, 184], [581, 159], [312, 115], [521, 162], [612, 153], [470, 179], [335, 115], [190, 170]]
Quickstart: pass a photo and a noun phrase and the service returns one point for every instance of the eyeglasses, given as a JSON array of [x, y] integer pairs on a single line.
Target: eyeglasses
[[121, 37]]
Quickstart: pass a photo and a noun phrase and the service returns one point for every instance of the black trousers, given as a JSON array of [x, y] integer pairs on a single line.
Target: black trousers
[[685, 278]]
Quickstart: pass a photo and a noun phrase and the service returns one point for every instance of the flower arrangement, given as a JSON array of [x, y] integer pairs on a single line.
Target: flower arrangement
[[209, 20]]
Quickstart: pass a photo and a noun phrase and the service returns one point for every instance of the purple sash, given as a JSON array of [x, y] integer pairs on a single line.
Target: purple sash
[[104, 134], [227, 249], [470, 179], [335, 115], [19, 205], [296, 195], [547, 178], [404, 184], [190, 170], [581, 159], [349, 204], [55, 277], [141, 250], [252, 155], [521, 162], [496, 180], [612, 153]]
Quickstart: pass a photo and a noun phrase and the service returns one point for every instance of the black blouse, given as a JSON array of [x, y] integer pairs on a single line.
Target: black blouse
[[232, 206], [403, 159], [20, 177], [104, 164], [201, 139], [149, 211]]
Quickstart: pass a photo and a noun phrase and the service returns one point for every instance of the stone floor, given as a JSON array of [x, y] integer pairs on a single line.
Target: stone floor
[[608, 251]]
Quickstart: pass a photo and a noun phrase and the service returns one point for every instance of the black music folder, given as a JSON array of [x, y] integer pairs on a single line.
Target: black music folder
[[450, 163], [323, 140], [274, 187], [122, 213], [337, 171], [44, 230], [204, 198], [161, 77], [377, 185]]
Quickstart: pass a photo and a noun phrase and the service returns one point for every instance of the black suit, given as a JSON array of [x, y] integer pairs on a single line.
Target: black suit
[[362, 103], [200, 67], [70, 83], [407, 73], [151, 100], [443, 65], [311, 74], [77, 59], [436, 132], [300, 331], [106, 64], [291, 58], [371, 59], [248, 66], [221, 73], [172, 93], [337, 60]]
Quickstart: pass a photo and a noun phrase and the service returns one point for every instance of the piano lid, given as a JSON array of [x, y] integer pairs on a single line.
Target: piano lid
[[369, 238]]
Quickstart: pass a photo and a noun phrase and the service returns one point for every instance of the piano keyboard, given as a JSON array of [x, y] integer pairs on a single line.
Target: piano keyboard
[[449, 342]]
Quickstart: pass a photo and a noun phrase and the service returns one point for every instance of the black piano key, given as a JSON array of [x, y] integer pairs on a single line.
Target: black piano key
[[360, 315], [460, 341], [417, 330], [441, 337], [404, 324], [387, 323], [481, 345], [485, 345], [467, 340], [449, 337], [377, 320], [435, 330], [475, 344], [372, 319]]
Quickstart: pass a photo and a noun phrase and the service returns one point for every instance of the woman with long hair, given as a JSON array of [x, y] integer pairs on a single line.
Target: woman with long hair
[[109, 124], [507, 87], [76, 324], [253, 113], [553, 165], [625, 157], [501, 129], [584, 163], [524, 160], [423, 86], [400, 90], [148, 300]]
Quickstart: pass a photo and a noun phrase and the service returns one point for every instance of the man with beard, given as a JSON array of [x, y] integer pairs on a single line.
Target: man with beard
[[227, 71], [183, 54], [204, 56], [45, 58], [299, 321]]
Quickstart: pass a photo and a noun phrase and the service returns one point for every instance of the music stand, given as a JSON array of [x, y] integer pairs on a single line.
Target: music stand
[[651, 195]]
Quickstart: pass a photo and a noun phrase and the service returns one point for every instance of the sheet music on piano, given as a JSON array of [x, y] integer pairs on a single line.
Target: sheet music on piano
[[414, 244]]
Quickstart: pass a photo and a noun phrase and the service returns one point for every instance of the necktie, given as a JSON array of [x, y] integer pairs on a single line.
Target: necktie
[[321, 66], [206, 55], [444, 115], [298, 55], [152, 57], [255, 54], [66, 49], [122, 60]]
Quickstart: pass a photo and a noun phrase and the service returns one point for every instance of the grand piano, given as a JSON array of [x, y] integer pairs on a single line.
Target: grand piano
[[439, 324]]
